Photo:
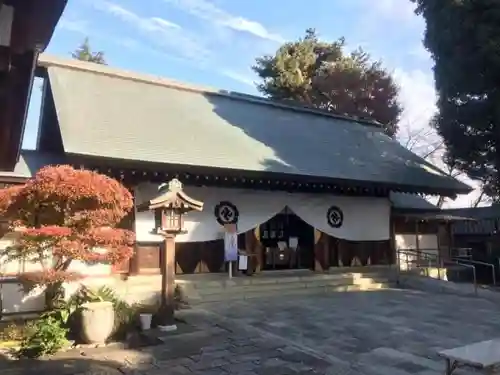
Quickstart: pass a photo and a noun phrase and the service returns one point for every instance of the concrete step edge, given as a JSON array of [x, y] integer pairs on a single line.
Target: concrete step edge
[[263, 294], [212, 289]]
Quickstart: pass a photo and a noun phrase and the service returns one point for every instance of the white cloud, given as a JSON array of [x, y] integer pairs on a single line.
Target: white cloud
[[209, 12], [164, 23], [417, 96], [78, 26], [420, 53], [244, 78], [169, 35], [400, 10]]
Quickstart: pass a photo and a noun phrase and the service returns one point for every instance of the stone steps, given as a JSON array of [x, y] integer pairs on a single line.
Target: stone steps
[[217, 288], [236, 294], [257, 287]]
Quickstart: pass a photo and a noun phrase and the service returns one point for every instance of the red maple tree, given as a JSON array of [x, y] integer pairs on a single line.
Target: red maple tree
[[64, 214]]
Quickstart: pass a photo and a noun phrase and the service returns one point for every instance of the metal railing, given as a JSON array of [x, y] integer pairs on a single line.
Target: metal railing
[[461, 252], [423, 259], [472, 262]]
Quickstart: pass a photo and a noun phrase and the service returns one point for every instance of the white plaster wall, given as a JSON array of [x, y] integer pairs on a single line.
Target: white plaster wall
[[14, 300], [427, 243]]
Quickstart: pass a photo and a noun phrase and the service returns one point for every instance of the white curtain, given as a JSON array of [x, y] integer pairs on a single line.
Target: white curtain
[[254, 208], [364, 219]]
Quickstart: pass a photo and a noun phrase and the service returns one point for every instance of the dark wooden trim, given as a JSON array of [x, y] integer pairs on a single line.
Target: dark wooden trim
[[14, 99], [32, 27], [140, 171], [12, 180], [34, 23]]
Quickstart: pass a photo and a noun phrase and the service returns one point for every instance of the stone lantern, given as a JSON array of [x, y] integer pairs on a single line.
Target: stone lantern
[[169, 208]]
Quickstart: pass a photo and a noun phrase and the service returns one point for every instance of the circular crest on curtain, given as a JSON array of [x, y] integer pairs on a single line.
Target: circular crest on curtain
[[335, 217], [226, 213]]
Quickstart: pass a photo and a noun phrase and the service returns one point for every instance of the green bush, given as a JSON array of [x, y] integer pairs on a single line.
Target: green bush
[[47, 337]]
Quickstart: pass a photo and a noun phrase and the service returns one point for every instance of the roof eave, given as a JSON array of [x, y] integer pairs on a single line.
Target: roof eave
[[136, 165]]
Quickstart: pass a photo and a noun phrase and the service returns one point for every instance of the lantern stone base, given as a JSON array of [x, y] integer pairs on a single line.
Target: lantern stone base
[[169, 328], [164, 316]]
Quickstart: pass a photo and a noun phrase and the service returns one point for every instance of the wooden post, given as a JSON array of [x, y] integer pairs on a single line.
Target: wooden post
[[318, 250], [417, 240], [169, 206], [167, 307]]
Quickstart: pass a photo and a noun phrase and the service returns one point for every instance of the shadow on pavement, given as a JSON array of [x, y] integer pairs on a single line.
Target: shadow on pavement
[[60, 365]]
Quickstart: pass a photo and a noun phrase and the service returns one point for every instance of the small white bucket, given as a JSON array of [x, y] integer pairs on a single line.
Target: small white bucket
[[145, 321]]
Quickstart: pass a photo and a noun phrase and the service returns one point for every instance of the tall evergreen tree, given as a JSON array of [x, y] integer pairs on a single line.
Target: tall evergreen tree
[[463, 37], [84, 53], [320, 74]]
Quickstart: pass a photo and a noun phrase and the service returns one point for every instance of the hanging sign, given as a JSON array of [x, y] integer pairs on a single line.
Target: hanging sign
[[230, 243]]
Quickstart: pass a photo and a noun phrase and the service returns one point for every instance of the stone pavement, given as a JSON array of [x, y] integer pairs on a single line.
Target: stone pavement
[[390, 332]]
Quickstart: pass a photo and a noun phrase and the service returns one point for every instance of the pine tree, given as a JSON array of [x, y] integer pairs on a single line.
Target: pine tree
[[321, 75], [84, 53]]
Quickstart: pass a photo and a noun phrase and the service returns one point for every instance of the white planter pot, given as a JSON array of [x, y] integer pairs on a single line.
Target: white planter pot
[[97, 319], [145, 321]]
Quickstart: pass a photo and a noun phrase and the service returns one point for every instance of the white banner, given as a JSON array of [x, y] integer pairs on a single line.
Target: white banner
[[349, 218]]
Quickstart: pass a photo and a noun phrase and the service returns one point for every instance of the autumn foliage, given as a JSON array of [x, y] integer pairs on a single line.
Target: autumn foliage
[[64, 214]]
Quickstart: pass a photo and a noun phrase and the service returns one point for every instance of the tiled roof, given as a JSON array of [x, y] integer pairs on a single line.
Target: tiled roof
[[105, 112]]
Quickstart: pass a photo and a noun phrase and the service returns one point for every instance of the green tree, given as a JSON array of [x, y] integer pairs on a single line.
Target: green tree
[[321, 75], [84, 53], [463, 37]]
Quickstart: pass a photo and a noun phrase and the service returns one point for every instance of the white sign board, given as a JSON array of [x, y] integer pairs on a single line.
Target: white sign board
[[230, 246]]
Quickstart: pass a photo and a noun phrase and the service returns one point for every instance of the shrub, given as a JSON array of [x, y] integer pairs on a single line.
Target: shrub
[[47, 337]]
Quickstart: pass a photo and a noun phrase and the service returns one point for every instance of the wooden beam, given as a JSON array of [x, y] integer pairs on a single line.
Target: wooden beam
[[34, 23], [14, 107]]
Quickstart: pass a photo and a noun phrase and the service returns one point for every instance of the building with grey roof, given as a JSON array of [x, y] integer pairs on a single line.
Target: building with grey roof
[[340, 177]]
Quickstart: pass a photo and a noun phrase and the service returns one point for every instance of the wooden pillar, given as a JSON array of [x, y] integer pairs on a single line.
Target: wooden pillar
[[417, 240], [326, 250], [166, 314], [319, 252], [394, 258], [258, 250], [451, 243], [15, 91]]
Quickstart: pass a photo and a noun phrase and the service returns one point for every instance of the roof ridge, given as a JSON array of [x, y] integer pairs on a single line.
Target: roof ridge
[[46, 60]]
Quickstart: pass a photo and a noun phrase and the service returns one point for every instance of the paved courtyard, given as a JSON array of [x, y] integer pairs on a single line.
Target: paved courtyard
[[392, 332], [385, 332]]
